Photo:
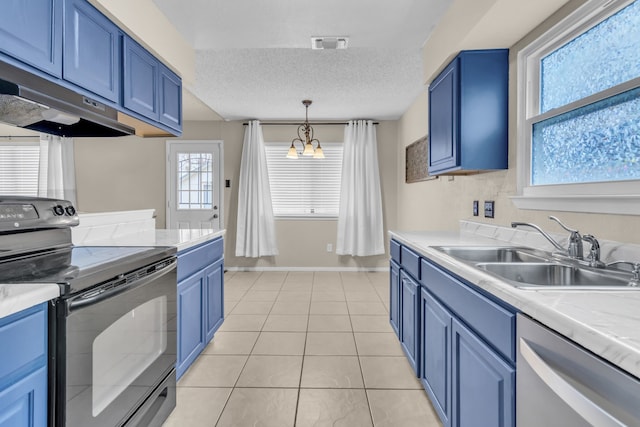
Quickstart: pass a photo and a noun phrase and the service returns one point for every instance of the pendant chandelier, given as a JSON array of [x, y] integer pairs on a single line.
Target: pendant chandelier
[[308, 140]]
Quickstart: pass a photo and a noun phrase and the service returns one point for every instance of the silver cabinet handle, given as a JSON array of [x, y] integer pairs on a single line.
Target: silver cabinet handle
[[589, 410]]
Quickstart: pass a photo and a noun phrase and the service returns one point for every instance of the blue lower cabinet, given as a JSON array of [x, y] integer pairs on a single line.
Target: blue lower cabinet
[[409, 335], [214, 298], [394, 297], [483, 383], [24, 403], [23, 368], [200, 300], [191, 334], [435, 354]]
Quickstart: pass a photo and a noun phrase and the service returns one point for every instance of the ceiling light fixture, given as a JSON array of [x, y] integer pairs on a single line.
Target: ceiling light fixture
[[307, 142]]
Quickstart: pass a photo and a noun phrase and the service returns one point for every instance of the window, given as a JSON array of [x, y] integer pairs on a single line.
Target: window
[[195, 180], [305, 187], [19, 165], [579, 112]]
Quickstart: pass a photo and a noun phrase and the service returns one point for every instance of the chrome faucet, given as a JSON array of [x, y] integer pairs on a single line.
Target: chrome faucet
[[635, 271], [594, 252], [574, 250]]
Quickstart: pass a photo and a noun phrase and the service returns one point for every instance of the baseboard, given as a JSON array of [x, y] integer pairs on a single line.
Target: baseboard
[[310, 269]]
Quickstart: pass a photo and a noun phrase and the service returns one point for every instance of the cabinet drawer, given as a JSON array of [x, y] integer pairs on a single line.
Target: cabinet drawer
[[199, 257], [494, 323], [410, 262], [27, 333], [394, 248]]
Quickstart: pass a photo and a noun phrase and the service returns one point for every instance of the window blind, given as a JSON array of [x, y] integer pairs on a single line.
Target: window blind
[[304, 187], [19, 169]]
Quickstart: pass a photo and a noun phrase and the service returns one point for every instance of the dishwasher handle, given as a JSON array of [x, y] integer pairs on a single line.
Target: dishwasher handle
[[581, 404], [112, 288]]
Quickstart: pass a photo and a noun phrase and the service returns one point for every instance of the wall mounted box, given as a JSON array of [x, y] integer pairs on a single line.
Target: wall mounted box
[[468, 114]]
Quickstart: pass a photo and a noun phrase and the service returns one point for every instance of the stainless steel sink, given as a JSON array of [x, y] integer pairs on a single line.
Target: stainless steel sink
[[555, 275], [501, 254]]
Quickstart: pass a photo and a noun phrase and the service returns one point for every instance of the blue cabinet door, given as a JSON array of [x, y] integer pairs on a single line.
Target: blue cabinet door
[[31, 31], [170, 93], [24, 403], [191, 334], [435, 354], [394, 297], [468, 113], [23, 368], [214, 301], [92, 49], [141, 74], [443, 120], [409, 333], [483, 383]]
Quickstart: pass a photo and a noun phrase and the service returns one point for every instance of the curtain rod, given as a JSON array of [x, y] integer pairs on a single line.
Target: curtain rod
[[298, 123]]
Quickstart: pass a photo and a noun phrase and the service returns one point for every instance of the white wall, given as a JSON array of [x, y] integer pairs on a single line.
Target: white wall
[[127, 173], [440, 204]]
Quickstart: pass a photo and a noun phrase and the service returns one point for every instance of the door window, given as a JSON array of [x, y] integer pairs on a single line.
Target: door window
[[194, 180]]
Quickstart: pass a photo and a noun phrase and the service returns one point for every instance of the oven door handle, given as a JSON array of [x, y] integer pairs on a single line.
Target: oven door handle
[[96, 296]]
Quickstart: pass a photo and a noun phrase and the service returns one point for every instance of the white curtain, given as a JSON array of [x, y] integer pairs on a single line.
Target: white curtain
[[57, 176], [256, 235], [360, 223]]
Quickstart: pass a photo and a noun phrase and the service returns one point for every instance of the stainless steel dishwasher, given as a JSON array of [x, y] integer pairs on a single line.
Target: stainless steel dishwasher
[[561, 384]]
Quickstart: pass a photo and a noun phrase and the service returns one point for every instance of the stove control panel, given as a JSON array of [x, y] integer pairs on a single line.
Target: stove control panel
[[25, 213]]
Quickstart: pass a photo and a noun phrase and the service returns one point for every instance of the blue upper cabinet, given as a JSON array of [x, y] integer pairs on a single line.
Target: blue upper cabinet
[[31, 31], [468, 114], [91, 50], [141, 80], [170, 98], [443, 120]]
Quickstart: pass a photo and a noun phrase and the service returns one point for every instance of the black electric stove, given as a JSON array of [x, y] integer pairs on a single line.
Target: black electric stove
[[112, 331]]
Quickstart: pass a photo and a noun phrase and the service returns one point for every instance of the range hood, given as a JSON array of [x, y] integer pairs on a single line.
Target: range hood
[[32, 102]]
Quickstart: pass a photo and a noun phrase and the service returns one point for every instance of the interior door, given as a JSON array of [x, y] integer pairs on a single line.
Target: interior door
[[194, 184]]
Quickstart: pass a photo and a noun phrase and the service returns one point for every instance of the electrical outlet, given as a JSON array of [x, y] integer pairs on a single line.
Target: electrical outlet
[[489, 210], [475, 208], [329, 247]]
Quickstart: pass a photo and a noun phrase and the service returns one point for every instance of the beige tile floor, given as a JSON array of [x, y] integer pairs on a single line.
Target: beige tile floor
[[303, 349]]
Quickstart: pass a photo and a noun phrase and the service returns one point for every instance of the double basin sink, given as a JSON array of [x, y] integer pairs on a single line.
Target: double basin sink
[[528, 268]]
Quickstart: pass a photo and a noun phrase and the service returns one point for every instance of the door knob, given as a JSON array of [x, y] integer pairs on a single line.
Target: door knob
[[215, 208], [215, 216]]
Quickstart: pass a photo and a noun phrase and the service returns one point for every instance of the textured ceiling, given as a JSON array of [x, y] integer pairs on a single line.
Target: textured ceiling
[[254, 58]]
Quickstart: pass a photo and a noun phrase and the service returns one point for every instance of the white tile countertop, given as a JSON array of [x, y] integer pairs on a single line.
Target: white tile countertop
[[181, 239], [17, 297], [605, 322]]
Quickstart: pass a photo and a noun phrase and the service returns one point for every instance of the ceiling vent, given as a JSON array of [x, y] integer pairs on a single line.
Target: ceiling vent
[[336, 42]]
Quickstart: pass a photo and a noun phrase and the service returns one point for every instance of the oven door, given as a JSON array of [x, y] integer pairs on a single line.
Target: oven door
[[115, 345]]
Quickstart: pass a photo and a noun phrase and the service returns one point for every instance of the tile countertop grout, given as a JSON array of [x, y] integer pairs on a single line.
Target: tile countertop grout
[[18, 297], [604, 322]]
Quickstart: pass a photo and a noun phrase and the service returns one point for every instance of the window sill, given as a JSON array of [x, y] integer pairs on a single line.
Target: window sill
[[306, 218], [628, 204]]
